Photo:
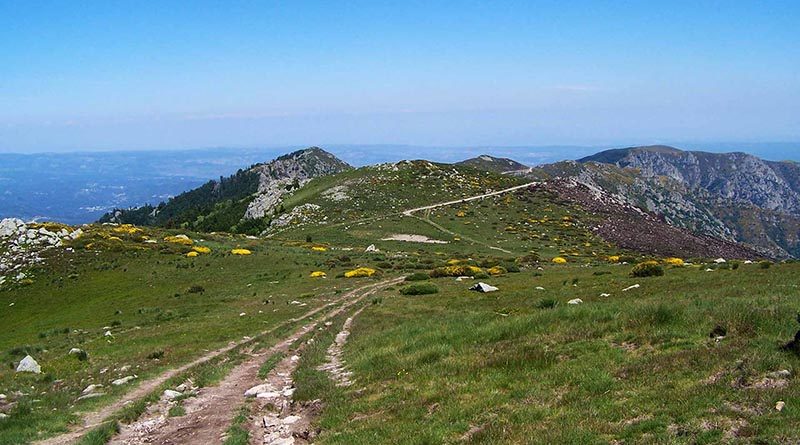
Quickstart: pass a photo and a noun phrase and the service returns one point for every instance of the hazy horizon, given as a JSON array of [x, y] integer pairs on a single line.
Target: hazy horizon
[[600, 74]]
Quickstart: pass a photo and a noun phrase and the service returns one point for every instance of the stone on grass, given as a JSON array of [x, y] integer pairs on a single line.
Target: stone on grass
[[91, 388], [371, 248], [779, 406], [123, 380], [720, 260], [28, 364], [635, 286], [575, 301], [483, 287]]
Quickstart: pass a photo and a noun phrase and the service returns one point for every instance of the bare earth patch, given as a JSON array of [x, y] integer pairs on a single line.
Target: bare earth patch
[[413, 239]]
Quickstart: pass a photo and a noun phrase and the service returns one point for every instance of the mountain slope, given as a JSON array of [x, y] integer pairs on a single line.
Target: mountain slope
[[735, 196], [242, 202], [493, 164]]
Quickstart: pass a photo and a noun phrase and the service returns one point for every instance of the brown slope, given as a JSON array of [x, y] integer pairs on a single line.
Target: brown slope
[[631, 228]]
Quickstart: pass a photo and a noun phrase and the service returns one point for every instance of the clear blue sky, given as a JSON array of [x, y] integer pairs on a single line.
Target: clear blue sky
[[132, 75]]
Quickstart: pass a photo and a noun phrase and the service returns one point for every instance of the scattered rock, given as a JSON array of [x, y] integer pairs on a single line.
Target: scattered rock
[[780, 405], [123, 380], [720, 261], [539, 288], [91, 388], [635, 286], [170, 394], [371, 249], [483, 287], [3, 416], [575, 301], [28, 364], [605, 295], [256, 390]]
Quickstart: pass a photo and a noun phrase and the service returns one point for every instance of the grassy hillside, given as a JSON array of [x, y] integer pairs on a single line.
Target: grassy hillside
[[523, 366]]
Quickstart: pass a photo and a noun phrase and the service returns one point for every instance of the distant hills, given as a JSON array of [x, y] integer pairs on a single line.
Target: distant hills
[[682, 201]]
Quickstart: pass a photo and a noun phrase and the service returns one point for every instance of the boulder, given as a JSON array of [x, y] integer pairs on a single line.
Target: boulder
[[124, 380], [575, 301], [720, 260], [371, 248], [483, 287], [170, 394], [91, 389], [28, 364], [254, 391]]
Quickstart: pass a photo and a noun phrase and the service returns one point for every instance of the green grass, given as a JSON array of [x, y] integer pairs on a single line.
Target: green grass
[[237, 434], [637, 366], [140, 295]]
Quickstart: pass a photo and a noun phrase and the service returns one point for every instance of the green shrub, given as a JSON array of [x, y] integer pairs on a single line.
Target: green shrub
[[647, 269], [419, 289], [196, 289], [765, 264], [418, 276], [156, 355]]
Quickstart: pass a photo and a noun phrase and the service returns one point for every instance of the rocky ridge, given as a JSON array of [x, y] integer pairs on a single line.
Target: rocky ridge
[[21, 245]]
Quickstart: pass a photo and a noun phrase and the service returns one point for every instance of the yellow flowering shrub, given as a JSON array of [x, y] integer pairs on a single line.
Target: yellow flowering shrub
[[456, 270], [318, 274], [201, 249], [192, 254], [360, 272], [674, 261], [319, 249], [179, 239], [496, 270], [127, 229], [453, 262], [613, 259], [559, 260], [461, 214], [241, 252], [114, 238]]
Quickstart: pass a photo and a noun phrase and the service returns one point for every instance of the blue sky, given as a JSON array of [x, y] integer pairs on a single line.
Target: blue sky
[[160, 75]]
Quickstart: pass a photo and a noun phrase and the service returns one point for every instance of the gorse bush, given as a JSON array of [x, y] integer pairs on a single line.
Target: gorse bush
[[456, 271], [765, 264], [647, 269], [419, 289]]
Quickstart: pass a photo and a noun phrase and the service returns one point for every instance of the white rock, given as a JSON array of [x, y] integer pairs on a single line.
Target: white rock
[[268, 395], [171, 394], [74, 351], [28, 364], [539, 288], [289, 420], [108, 334], [371, 248], [242, 314], [575, 301], [288, 392], [720, 260], [605, 295], [635, 286], [483, 287], [3, 397], [748, 262], [3, 416], [123, 380], [91, 388], [254, 391], [779, 406]]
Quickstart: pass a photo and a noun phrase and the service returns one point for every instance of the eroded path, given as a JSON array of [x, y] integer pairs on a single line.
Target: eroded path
[[210, 413]]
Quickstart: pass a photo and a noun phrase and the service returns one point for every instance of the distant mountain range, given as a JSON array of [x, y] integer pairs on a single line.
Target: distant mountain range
[[680, 201]]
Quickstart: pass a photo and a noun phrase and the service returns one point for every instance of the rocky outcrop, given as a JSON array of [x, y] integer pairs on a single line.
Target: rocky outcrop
[[287, 174], [22, 244]]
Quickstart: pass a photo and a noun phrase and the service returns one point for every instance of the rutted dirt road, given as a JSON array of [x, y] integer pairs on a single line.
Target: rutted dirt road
[[210, 413], [94, 419]]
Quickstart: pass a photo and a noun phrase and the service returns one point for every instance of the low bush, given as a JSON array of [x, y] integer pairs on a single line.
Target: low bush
[[456, 271], [765, 264], [418, 276], [647, 269], [547, 303], [419, 289]]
